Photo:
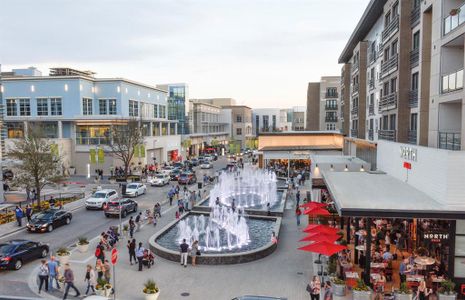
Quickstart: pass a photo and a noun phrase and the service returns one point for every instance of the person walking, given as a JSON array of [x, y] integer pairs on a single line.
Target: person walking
[[194, 252], [297, 197], [107, 271], [132, 226], [19, 215], [52, 266], [138, 219], [43, 275], [69, 281], [170, 196], [90, 279], [28, 212], [314, 288], [298, 213], [140, 255], [132, 251], [184, 252], [328, 291]]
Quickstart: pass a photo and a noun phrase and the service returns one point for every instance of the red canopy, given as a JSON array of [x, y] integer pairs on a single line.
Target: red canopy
[[320, 237], [313, 204], [317, 211], [320, 228], [325, 248]]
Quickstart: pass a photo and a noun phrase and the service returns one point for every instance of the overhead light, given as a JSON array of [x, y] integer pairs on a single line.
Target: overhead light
[[118, 89], [362, 169], [148, 95], [126, 90], [66, 87], [80, 87], [346, 169], [2, 88], [33, 88]]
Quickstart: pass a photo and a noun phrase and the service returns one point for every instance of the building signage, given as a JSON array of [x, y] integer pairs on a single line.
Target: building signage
[[436, 236], [408, 153]]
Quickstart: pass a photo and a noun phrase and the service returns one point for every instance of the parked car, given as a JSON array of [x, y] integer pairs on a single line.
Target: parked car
[[160, 179], [178, 165], [135, 189], [48, 220], [250, 297], [208, 158], [206, 165], [174, 176], [16, 252], [187, 178], [195, 161], [124, 205], [167, 169], [100, 198]]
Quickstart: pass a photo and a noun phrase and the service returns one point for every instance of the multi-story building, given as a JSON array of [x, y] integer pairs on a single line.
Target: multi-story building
[[297, 116], [241, 125], [323, 104], [177, 104], [270, 120], [77, 110], [217, 101]]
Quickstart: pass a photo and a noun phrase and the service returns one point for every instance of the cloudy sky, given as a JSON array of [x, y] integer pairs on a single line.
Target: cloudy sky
[[260, 52]]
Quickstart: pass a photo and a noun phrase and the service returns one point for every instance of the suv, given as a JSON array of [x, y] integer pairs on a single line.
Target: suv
[[100, 198], [124, 205], [187, 178]]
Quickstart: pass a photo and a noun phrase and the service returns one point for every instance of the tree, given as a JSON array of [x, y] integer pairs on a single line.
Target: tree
[[39, 163], [125, 139]]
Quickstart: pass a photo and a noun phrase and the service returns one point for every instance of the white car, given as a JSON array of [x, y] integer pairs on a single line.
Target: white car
[[160, 179], [135, 189], [206, 165], [100, 198], [167, 170]]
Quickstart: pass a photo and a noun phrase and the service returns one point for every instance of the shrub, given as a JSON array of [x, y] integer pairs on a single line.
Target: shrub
[[63, 251], [447, 287], [150, 287], [82, 240]]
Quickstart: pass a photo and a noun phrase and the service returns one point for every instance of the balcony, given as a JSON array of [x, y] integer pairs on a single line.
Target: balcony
[[371, 135], [452, 82], [331, 95], [355, 88], [331, 119], [354, 67], [389, 135], [388, 102], [414, 58], [354, 111], [354, 133], [412, 137], [415, 16], [453, 21], [371, 109], [331, 107], [413, 99], [391, 28], [389, 65], [449, 140]]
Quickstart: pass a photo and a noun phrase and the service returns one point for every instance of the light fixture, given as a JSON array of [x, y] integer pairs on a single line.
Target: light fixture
[[126, 90], [148, 95], [346, 169], [118, 89], [80, 87], [362, 169], [138, 92], [33, 88], [2, 88], [66, 87]]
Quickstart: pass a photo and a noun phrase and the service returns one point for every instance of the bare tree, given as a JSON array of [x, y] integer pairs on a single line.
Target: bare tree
[[124, 141], [37, 164]]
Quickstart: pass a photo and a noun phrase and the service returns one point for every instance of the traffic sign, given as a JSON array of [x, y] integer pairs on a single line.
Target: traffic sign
[[114, 256]]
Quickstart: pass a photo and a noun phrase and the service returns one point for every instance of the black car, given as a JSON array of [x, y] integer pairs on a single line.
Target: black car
[[124, 205], [174, 175], [14, 253], [48, 220]]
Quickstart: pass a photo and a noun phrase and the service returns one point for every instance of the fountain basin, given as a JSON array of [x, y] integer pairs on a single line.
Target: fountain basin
[[165, 245]]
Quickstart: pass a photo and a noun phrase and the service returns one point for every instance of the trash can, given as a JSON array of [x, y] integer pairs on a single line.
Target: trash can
[[199, 185]]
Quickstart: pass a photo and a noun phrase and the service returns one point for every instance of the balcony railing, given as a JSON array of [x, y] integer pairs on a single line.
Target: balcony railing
[[372, 56], [371, 135], [354, 133], [452, 82], [389, 65], [415, 16], [414, 58], [331, 107], [371, 109], [449, 140], [354, 111], [331, 119], [392, 27], [354, 67], [83, 140], [413, 99], [388, 102], [355, 88], [453, 21], [412, 137], [389, 135], [331, 95]]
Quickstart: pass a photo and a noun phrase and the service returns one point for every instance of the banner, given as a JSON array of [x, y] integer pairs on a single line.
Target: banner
[[92, 157], [101, 156], [54, 150], [141, 150]]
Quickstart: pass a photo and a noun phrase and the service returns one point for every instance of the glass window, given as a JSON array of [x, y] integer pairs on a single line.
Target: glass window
[[102, 105], [238, 118], [133, 108], [42, 106], [413, 121], [416, 40], [164, 128], [394, 48], [87, 106], [393, 85], [172, 128], [415, 81], [392, 122], [15, 130], [56, 109], [24, 107], [459, 270], [387, 19], [156, 129], [112, 107], [238, 131], [11, 109], [155, 110]]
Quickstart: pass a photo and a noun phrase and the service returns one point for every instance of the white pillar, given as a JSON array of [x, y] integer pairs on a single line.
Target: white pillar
[[151, 129], [60, 129]]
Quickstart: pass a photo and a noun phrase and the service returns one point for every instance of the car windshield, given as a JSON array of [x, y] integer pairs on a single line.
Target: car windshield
[[43, 215], [99, 195], [6, 248], [160, 176], [132, 186], [184, 175]]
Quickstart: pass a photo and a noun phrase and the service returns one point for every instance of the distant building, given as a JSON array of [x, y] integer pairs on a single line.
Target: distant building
[[177, 104], [217, 101], [299, 118], [270, 120], [323, 107], [241, 125]]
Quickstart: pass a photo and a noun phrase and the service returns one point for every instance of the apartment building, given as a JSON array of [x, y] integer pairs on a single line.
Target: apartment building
[[77, 110], [323, 104], [241, 125], [270, 120], [298, 117]]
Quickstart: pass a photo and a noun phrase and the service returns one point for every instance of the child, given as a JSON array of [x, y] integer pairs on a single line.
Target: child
[[177, 214]]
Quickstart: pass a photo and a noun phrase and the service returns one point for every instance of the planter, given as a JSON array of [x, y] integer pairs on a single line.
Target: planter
[[152, 296], [361, 295], [403, 296], [72, 171], [63, 259], [83, 247], [100, 292], [447, 296], [339, 289], [107, 292]]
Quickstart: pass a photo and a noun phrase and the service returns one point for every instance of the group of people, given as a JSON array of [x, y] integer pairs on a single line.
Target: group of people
[[185, 249], [315, 288]]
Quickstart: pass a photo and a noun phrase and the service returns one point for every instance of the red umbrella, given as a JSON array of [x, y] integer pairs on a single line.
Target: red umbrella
[[320, 237], [313, 204], [325, 248], [320, 228], [317, 211]]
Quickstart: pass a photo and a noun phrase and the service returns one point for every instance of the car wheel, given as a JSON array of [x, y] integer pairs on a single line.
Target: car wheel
[[137, 194], [135, 208], [44, 253], [67, 221], [123, 214], [50, 228], [107, 215], [18, 264]]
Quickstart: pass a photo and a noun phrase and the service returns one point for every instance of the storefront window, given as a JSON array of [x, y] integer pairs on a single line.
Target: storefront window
[[15, 130], [146, 129], [92, 135], [156, 129], [172, 128], [47, 129], [164, 129]]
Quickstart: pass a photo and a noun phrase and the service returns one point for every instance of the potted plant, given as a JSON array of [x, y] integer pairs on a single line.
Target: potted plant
[[447, 291], [82, 244], [454, 11], [100, 287], [339, 286], [63, 255], [361, 291], [403, 293], [72, 170], [151, 290], [108, 289]]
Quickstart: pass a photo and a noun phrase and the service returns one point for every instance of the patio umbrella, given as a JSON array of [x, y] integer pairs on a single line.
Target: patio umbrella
[[312, 228], [317, 211], [325, 248], [313, 204], [320, 237]]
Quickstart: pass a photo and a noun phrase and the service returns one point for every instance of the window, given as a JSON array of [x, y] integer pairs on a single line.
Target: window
[[387, 19], [155, 110], [394, 48], [392, 122], [331, 92], [11, 109], [24, 107], [386, 88], [415, 81], [416, 40], [393, 85], [330, 126], [385, 122], [133, 108], [238, 131], [257, 124], [102, 104], [386, 53], [372, 99], [87, 106], [56, 109], [266, 123], [395, 9], [238, 118], [162, 111], [42, 106], [413, 122], [112, 107], [15, 130], [274, 122]]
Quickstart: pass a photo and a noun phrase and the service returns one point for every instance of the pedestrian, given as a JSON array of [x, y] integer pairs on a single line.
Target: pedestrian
[[268, 209], [298, 212], [170, 196], [100, 251], [297, 196], [90, 279], [132, 226], [52, 273], [314, 288], [177, 215], [132, 251], [194, 252], [140, 255], [184, 252], [19, 215], [107, 271], [28, 213], [43, 275], [138, 217], [28, 194], [69, 281], [328, 291], [100, 268]]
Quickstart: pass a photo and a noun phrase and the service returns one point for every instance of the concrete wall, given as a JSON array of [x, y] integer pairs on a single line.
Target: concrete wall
[[313, 106]]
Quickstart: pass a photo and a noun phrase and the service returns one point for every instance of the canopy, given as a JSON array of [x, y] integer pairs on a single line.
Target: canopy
[[317, 211], [320, 228], [313, 204], [320, 237], [325, 248]]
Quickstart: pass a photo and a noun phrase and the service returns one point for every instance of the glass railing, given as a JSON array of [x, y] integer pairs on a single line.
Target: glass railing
[[454, 20], [452, 82]]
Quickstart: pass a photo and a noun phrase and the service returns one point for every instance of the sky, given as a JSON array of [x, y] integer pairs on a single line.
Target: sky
[[260, 52]]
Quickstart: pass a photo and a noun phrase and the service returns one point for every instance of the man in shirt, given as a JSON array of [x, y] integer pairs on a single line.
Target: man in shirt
[[69, 281], [52, 272], [140, 255], [184, 251], [387, 256]]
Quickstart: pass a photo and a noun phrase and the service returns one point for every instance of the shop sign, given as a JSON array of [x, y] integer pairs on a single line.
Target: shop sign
[[436, 237], [408, 153]]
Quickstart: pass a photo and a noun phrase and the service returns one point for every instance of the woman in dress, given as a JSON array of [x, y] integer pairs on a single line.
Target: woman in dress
[[423, 292], [194, 251]]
